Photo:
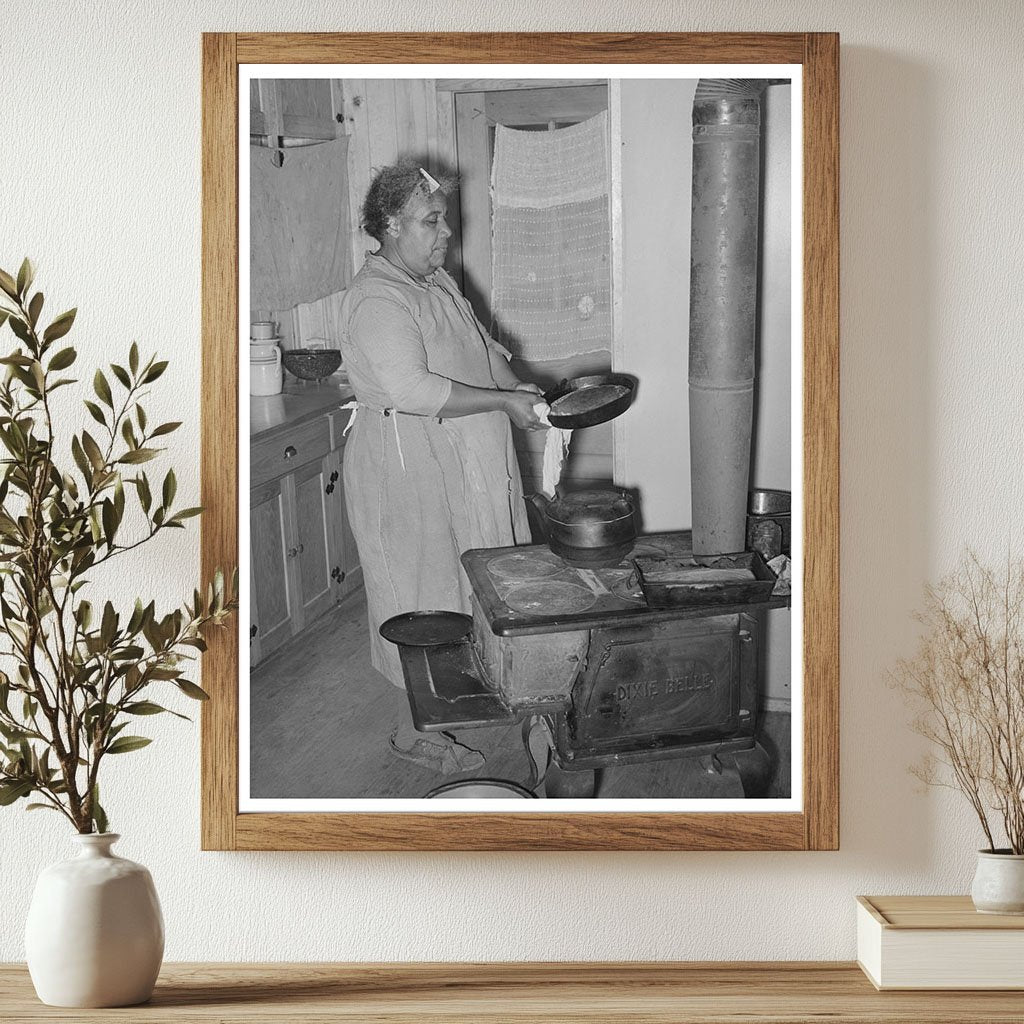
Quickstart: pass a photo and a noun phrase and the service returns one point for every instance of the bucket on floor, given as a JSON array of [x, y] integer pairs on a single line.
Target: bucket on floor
[[480, 789]]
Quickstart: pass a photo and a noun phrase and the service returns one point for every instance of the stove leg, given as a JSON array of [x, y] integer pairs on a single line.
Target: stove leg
[[754, 767], [537, 743], [578, 785]]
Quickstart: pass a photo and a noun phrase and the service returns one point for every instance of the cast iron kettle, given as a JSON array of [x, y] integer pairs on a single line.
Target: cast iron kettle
[[588, 529]]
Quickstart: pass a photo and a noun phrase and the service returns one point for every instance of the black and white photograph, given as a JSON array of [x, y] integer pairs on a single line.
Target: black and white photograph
[[521, 501]]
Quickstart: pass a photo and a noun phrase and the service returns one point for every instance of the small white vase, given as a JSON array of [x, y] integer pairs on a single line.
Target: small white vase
[[95, 934], [999, 882]]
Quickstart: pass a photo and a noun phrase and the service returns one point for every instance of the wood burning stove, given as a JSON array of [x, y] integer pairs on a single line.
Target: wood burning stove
[[598, 677]]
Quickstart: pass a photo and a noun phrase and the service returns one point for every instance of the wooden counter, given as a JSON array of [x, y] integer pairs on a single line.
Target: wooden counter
[[297, 403], [524, 993]]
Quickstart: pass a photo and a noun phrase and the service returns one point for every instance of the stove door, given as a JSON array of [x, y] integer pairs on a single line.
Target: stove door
[[659, 690]]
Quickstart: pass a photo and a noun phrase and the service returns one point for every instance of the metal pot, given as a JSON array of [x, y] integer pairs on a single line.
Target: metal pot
[[589, 529]]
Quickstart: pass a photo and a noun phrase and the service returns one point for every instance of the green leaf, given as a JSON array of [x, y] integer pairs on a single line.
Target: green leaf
[[154, 372], [145, 497], [99, 817], [41, 807], [26, 273], [11, 791], [109, 521], [128, 433], [95, 412], [125, 744], [139, 455], [140, 415], [121, 374], [84, 614], [92, 449], [119, 498], [108, 626], [80, 459], [143, 707], [102, 388], [34, 308], [20, 328], [147, 707], [4, 314], [191, 690], [7, 283], [170, 488], [133, 358], [165, 428], [60, 326], [185, 513], [63, 359]]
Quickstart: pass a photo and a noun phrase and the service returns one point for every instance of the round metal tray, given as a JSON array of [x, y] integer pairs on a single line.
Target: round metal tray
[[480, 789], [426, 629]]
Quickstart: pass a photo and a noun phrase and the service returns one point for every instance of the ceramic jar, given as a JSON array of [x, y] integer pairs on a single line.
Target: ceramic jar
[[999, 882], [95, 933], [265, 374]]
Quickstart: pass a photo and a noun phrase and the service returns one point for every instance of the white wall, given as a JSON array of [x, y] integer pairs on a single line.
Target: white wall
[[657, 162], [100, 183]]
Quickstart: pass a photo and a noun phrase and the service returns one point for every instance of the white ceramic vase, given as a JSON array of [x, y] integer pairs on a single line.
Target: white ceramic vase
[[999, 883], [95, 934]]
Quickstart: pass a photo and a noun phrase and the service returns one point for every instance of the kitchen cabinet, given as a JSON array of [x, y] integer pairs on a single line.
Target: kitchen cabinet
[[303, 558]]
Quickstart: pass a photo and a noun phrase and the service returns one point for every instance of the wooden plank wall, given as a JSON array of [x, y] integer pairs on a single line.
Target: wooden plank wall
[[386, 119]]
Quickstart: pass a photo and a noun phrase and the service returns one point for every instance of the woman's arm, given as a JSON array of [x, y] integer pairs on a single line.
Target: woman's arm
[[465, 400], [387, 340]]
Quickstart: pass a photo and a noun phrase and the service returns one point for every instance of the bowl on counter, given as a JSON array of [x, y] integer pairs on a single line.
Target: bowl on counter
[[311, 363]]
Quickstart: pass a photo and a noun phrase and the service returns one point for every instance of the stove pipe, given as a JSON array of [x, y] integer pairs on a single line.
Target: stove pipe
[[723, 306]]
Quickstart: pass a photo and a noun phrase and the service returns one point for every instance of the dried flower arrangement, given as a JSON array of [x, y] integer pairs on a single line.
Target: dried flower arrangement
[[967, 680]]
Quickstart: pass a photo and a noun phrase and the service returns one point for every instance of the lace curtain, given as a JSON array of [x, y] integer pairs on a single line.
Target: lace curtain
[[551, 241]]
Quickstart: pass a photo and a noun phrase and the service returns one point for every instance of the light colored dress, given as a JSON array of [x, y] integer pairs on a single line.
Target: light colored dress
[[421, 490]]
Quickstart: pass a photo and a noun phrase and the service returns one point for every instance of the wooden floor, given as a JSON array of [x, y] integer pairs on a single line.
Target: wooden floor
[[321, 716]]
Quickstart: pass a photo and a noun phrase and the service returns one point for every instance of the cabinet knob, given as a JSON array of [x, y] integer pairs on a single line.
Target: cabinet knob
[[292, 552], [253, 630], [290, 452], [337, 575]]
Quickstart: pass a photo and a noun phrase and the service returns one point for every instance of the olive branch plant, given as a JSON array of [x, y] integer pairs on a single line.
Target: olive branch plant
[[73, 676], [967, 682]]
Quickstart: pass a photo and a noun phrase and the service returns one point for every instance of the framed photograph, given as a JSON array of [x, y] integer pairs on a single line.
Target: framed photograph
[[520, 420]]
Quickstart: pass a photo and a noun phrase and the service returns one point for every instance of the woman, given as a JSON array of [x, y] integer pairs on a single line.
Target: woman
[[429, 466]]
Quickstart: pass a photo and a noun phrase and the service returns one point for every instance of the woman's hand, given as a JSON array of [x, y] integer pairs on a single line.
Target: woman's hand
[[534, 388], [518, 406]]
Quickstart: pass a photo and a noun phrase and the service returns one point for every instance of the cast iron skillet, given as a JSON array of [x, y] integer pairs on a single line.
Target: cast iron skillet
[[587, 401]]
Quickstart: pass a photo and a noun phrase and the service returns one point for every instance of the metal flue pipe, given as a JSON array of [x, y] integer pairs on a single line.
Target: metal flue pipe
[[723, 307]]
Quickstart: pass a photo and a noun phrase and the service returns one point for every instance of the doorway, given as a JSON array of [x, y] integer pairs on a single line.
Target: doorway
[[526, 108]]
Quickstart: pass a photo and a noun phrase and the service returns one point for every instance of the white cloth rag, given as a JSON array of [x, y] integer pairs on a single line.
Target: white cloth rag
[[556, 448]]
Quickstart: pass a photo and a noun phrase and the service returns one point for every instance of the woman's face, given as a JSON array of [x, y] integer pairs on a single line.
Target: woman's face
[[417, 238]]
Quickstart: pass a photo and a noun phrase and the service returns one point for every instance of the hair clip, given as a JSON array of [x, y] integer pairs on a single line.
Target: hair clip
[[432, 183]]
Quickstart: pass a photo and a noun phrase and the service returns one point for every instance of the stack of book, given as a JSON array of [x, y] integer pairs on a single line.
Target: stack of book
[[938, 942]]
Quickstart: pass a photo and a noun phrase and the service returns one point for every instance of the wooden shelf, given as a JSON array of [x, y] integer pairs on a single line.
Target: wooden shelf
[[637, 993]]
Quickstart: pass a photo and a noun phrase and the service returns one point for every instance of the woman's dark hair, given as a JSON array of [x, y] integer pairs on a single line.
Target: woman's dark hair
[[390, 191]]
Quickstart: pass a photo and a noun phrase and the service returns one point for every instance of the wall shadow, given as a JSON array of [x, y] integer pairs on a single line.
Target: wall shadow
[[888, 278]]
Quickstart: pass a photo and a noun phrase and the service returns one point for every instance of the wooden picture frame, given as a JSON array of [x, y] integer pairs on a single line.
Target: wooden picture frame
[[816, 827]]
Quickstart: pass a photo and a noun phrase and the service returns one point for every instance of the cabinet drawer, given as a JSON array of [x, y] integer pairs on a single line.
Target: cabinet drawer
[[289, 450]]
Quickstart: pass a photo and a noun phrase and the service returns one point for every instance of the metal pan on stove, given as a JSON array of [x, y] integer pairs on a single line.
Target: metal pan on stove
[[587, 401]]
